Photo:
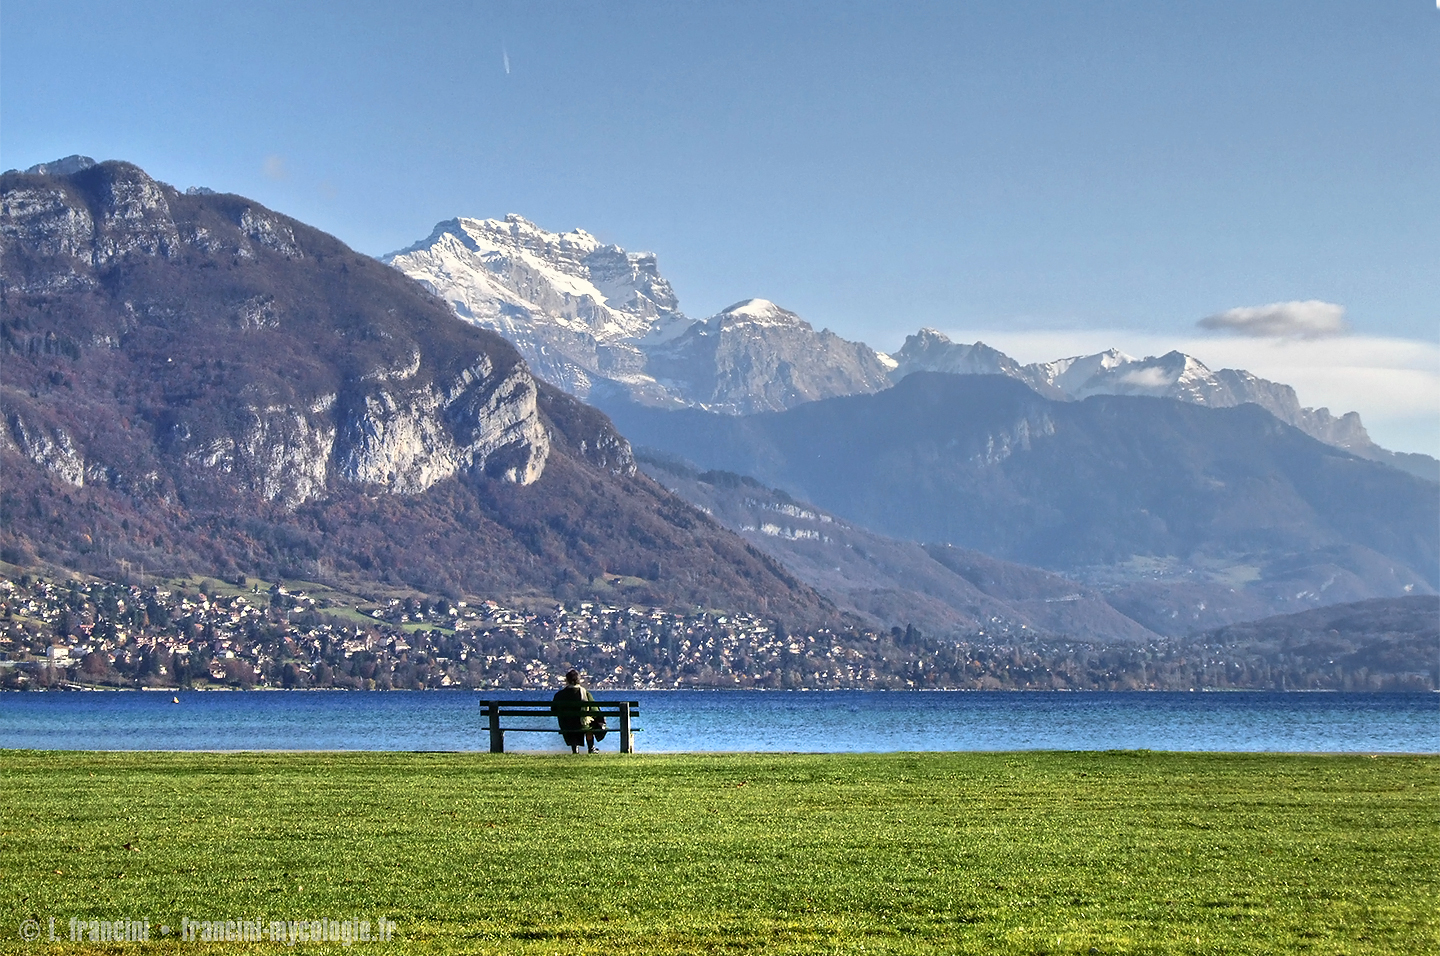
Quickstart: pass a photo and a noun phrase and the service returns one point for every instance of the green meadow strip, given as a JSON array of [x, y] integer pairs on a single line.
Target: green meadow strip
[[893, 853]]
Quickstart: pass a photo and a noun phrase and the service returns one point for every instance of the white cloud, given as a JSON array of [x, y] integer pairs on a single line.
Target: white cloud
[[1146, 377], [275, 167], [1311, 319], [1393, 383]]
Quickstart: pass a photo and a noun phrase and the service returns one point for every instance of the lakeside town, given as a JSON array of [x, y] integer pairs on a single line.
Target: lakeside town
[[99, 634], [68, 633]]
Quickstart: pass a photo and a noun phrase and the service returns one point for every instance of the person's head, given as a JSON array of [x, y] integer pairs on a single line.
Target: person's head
[[572, 677]]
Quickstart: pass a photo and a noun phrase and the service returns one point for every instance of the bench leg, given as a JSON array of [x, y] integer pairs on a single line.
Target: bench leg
[[497, 736], [627, 739]]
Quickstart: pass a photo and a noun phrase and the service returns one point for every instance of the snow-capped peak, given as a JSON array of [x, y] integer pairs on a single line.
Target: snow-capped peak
[[932, 351], [758, 312], [500, 272], [1150, 375], [1071, 374]]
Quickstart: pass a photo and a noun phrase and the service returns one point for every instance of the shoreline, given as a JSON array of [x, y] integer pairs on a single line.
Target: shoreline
[[100, 689]]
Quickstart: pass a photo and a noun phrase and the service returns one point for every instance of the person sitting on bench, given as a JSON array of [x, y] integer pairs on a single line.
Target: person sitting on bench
[[568, 706]]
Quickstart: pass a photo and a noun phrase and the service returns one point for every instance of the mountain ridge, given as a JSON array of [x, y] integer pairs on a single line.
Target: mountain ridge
[[1172, 375], [1383, 643], [650, 352]]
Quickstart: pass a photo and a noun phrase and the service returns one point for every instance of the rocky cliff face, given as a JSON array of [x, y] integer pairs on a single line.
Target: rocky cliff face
[[85, 259], [575, 308]]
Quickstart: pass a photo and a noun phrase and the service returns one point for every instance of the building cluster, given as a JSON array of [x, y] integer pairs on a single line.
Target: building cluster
[[76, 634]]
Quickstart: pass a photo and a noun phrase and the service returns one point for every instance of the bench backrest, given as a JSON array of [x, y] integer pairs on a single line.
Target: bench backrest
[[544, 708]]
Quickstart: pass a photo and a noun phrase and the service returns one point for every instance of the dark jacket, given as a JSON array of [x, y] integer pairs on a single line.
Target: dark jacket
[[569, 709]]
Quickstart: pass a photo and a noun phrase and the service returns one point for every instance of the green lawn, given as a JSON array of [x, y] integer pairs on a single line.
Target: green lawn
[[898, 853]]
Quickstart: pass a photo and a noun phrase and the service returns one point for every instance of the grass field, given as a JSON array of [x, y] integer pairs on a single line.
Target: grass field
[[899, 853]]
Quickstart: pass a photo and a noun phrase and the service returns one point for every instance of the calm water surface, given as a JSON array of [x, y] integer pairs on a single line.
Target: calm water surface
[[839, 721]]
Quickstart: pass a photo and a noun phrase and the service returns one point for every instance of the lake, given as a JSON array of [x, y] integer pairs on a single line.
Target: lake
[[695, 720]]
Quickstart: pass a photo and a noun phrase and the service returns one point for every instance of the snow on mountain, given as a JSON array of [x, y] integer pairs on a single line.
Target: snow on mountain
[[1071, 374], [1174, 375], [483, 265], [603, 324], [761, 312], [575, 307], [1184, 377], [757, 357]]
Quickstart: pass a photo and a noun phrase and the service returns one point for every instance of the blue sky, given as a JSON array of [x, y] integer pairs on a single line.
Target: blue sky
[[1052, 177]]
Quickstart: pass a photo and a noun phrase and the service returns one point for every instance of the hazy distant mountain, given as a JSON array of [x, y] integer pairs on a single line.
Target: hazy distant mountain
[[593, 318], [1173, 375], [1186, 516], [944, 591], [192, 382], [930, 351]]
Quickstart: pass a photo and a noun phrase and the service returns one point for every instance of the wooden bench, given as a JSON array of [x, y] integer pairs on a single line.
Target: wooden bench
[[618, 716]]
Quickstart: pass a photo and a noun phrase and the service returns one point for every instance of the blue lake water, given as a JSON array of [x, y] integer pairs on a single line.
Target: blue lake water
[[841, 721]]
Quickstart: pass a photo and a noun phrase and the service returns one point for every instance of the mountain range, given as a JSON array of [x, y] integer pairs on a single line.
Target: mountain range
[[195, 383], [1180, 520], [604, 325]]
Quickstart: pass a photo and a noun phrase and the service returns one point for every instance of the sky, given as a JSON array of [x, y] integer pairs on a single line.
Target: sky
[[1052, 178]]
